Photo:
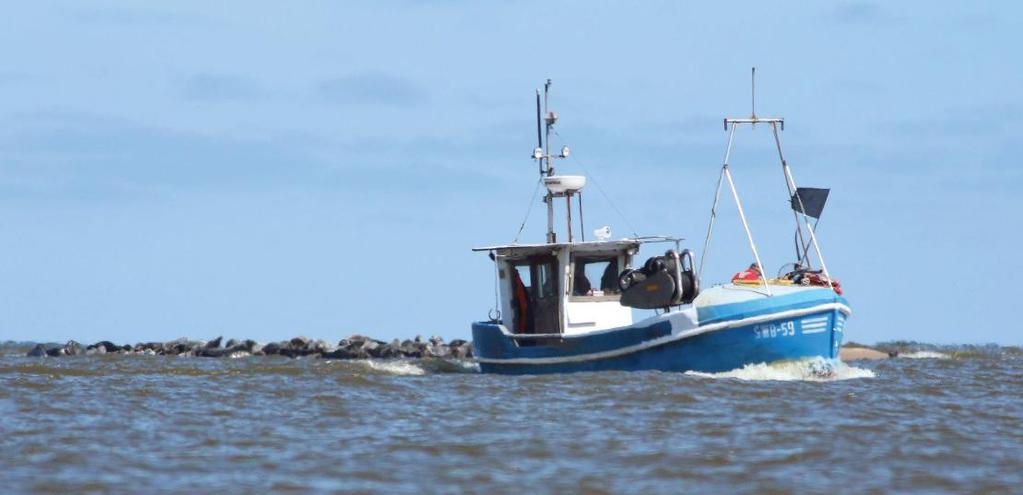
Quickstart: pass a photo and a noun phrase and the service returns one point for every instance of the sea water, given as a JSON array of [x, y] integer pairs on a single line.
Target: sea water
[[936, 420]]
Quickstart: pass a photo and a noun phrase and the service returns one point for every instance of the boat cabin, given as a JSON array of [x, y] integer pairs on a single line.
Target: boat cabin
[[565, 288], [562, 288]]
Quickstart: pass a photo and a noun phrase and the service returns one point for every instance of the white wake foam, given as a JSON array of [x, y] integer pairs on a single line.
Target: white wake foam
[[924, 355], [472, 366], [395, 367], [813, 370]]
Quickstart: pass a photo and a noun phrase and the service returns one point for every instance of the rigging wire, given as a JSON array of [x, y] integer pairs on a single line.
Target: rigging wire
[[528, 210], [601, 190]]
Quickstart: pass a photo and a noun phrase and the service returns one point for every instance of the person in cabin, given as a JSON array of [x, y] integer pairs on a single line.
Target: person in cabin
[[609, 279], [520, 303], [751, 274], [580, 284]]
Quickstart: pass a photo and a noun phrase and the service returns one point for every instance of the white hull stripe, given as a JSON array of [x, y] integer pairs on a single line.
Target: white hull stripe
[[724, 325], [816, 330]]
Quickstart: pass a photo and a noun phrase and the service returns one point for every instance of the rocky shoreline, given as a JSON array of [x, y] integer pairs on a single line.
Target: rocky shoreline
[[857, 352], [354, 347]]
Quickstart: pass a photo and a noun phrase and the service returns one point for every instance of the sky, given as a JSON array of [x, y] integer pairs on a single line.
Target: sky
[[270, 169]]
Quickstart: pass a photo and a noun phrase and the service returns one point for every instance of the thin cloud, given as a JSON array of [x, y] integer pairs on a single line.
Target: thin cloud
[[372, 89], [214, 87], [74, 155], [863, 13], [11, 78], [82, 155], [956, 124], [137, 17]]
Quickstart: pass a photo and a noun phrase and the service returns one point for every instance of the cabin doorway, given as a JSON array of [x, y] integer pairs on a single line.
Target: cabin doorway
[[535, 296], [546, 315]]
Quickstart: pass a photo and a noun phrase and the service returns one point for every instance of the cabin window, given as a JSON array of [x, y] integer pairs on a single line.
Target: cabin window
[[595, 276], [545, 279], [522, 272]]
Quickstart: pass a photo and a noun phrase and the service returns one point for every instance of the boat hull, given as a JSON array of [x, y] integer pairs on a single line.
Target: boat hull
[[717, 338]]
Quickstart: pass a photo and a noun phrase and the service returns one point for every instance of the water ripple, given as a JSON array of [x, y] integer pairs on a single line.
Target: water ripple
[[124, 424]]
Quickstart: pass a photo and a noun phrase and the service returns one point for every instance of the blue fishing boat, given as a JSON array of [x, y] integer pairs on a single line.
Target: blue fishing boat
[[568, 306]]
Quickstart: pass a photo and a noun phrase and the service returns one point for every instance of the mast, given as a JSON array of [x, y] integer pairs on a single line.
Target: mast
[[544, 158], [549, 119], [790, 183], [539, 135]]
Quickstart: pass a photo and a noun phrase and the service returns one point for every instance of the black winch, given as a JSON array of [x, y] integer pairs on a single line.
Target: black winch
[[663, 281]]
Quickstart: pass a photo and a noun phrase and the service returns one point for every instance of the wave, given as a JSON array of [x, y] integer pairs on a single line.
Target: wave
[[811, 370], [925, 355], [418, 367], [922, 350], [396, 367]]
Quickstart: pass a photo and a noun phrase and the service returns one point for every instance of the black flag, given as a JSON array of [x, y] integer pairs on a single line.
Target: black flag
[[813, 200]]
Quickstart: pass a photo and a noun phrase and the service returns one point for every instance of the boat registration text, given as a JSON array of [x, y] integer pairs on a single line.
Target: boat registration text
[[772, 330]]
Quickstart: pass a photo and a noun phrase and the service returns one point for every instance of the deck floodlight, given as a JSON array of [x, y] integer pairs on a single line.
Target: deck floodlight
[[564, 151], [538, 153]]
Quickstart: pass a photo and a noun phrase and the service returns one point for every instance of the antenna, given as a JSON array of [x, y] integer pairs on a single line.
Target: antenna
[[539, 136], [753, 93], [753, 120], [549, 118]]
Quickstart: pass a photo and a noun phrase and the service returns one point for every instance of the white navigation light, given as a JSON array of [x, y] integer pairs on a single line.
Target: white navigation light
[[537, 153], [564, 184], [602, 234], [564, 151]]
